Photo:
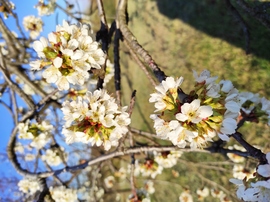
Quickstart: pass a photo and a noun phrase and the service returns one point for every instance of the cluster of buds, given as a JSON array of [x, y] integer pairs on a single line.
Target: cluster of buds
[[212, 109], [95, 118], [70, 53]]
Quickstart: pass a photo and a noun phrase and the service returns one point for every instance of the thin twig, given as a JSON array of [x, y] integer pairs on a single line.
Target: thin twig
[[115, 154], [16, 88], [141, 65]]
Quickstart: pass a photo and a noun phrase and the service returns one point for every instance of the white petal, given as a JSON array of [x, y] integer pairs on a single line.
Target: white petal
[[57, 62], [62, 83], [232, 106], [264, 170], [181, 117], [205, 111]]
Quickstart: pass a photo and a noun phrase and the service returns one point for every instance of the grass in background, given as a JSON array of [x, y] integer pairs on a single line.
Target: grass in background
[[195, 35]]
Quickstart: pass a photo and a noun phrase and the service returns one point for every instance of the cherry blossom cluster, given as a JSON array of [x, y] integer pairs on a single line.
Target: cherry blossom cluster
[[63, 194], [212, 108], [70, 53], [255, 189], [33, 24], [154, 164], [167, 159], [45, 9], [96, 119], [38, 133], [53, 156], [148, 168], [29, 186]]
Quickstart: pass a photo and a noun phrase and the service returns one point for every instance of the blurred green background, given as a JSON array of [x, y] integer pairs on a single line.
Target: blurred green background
[[183, 36]]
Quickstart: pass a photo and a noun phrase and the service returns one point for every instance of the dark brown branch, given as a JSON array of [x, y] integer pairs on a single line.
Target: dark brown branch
[[103, 36], [134, 44], [117, 67], [252, 151]]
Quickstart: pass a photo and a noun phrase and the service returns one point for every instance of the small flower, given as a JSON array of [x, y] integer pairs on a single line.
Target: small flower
[[234, 157], [45, 9], [38, 133], [240, 172], [167, 159], [185, 197], [166, 95], [202, 193], [109, 181], [148, 168], [193, 112], [33, 24], [204, 77], [63, 194], [149, 186], [52, 157]]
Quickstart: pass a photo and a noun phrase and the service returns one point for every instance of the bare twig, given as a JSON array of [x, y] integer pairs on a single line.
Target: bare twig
[[16, 88], [141, 65], [134, 44], [117, 154]]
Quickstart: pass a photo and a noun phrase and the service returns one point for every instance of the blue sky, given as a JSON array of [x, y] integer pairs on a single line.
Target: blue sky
[[23, 8]]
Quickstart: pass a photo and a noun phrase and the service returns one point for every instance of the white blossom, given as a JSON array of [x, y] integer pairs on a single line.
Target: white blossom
[[34, 25], [52, 157], [109, 181], [167, 160], [202, 193], [63, 194], [193, 112], [162, 101], [70, 54], [204, 77], [96, 119], [45, 9], [185, 196], [29, 186], [38, 133]]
